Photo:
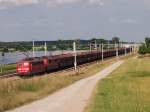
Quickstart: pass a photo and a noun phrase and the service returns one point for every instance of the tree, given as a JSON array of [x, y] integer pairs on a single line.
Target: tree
[[5, 49], [115, 39], [77, 40], [60, 45], [147, 41], [145, 49], [101, 41], [93, 40]]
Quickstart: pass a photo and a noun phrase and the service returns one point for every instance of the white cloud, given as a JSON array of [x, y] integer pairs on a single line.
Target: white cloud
[[122, 20], [129, 21], [60, 2], [18, 2], [7, 3], [147, 3], [11, 3], [112, 20], [96, 2]]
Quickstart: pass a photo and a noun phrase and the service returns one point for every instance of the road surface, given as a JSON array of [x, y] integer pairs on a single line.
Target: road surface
[[73, 98]]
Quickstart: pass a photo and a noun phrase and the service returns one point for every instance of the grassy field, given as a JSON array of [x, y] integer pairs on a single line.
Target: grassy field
[[14, 93], [7, 68], [126, 90]]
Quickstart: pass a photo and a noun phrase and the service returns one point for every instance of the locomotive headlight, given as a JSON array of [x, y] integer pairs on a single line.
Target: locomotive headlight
[[26, 69], [19, 69]]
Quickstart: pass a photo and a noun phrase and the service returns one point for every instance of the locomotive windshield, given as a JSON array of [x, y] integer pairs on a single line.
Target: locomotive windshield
[[26, 64], [20, 64]]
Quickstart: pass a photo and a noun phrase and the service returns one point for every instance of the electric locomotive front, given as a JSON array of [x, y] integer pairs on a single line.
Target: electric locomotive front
[[23, 67], [31, 66]]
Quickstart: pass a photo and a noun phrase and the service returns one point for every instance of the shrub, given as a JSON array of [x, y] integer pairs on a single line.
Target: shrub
[[143, 50]]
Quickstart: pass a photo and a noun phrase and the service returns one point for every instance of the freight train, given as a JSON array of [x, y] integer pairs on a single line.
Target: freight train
[[38, 65]]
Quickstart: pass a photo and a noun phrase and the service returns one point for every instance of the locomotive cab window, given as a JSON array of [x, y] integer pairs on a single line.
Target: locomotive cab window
[[20, 65], [26, 64]]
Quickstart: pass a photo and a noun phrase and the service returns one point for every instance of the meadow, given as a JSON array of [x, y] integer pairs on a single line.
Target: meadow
[[127, 89]]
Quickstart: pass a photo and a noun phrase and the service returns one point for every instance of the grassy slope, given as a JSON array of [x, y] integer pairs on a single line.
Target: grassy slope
[[19, 92], [125, 90]]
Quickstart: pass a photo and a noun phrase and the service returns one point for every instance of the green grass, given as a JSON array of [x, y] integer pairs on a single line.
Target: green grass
[[8, 68], [20, 92], [127, 89]]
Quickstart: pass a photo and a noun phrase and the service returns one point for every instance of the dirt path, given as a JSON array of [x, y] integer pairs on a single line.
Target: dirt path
[[73, 98]]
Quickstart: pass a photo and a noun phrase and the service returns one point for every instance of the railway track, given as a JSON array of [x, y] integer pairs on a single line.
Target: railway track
[[9, 75], [14, 74]]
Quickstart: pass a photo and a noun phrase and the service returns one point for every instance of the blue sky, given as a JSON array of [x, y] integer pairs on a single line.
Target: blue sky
[[25, 20]]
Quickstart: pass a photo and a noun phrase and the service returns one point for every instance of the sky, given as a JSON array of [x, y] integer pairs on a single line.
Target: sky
[[27, 20]]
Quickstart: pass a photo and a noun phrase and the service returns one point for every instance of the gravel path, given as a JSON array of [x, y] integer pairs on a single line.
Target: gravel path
[[73, 98]]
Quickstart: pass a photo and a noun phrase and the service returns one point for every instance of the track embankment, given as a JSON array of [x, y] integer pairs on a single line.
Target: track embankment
[[73, 98]]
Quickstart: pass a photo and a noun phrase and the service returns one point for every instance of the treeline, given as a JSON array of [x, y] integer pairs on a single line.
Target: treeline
[[145, 48], [53, 45]]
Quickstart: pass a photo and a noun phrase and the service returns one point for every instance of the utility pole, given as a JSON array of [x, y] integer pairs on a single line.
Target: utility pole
[[130, 49], [1, 68], [95, 45], [116, 50], [134, 50], [134, 47], [3, 54], [121, 45], [108, 45], [102, 52], [100, 49], [125, 51], [33, 52], [75, 55], [45, 48], [90, 47]]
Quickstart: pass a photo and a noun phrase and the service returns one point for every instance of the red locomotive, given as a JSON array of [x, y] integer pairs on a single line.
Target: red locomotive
[[38, 65], [31, 66]]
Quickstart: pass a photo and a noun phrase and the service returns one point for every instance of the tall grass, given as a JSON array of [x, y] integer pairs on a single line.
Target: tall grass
[[125, 90]]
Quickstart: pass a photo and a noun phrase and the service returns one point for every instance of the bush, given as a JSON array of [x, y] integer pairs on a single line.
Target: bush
[[145, 49], [142, 50], [148, 49]]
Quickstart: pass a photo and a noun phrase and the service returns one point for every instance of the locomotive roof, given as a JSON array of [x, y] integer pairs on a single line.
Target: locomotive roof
[[61, 56], [32, 59], [58, 56]]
